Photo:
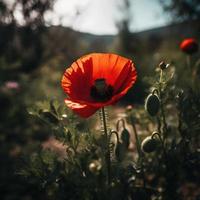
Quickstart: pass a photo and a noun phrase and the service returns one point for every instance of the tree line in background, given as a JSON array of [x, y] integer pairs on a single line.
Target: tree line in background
[[21, 46], [21, 41]]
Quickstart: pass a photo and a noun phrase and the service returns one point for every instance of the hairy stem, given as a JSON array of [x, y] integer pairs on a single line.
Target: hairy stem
[[107, 155], [161, 106], [138, 146], [136, 136], [188, 60]]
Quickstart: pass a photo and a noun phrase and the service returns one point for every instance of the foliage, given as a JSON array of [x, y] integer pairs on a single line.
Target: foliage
[[21, 45], [161, 166], [183, 9], [37, 156]]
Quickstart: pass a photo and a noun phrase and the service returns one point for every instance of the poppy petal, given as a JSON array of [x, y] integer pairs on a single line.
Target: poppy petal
[[108, 66], [76, 81], [122, 75], [189, 45], [125, 81], [126, 84], [82, 110], [126, 78]]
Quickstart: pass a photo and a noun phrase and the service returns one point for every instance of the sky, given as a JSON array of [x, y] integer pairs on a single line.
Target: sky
[[101, 16], [147, 14]]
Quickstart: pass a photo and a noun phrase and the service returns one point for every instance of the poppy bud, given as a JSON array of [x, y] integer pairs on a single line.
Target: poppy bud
[[120, 151], [149, 144], [125, 137], [189, 46], [152, 104], [163, 65], [129, 108]]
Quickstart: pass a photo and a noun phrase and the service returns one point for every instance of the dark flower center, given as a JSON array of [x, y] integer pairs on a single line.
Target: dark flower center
[[101, 91]]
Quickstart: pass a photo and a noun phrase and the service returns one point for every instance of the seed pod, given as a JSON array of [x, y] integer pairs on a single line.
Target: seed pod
[[125, 137], [149, 144], [92, 167], [152, 104], [95, 166]]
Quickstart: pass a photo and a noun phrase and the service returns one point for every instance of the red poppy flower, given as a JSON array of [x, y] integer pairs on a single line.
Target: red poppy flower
[[189, 46], [97, 80]]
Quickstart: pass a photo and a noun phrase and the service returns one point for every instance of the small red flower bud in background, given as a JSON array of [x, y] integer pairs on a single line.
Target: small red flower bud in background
[[189, 46]]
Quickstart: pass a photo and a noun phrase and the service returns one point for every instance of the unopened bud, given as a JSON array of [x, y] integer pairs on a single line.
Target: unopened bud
[[163, 65], [125, 137], [149, 144], [152, 104], [129, 108]]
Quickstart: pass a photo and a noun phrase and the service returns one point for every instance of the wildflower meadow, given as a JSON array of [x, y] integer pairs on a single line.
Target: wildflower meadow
[[92, 116]]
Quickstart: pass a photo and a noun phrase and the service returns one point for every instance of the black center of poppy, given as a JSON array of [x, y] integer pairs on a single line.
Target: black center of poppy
[[101, 91]]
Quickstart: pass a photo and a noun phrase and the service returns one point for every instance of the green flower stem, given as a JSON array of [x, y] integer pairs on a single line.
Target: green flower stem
[[158, 123], [136, 137], [188, 60], [161, 76], [192, 69], [161, 106], [138, 146], [118, 123], [197, 63], [116, 134], [162, 142], [107, 156], [164, 120]]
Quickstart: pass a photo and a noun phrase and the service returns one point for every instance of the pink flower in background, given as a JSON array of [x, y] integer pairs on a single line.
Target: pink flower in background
[[12, 85]]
